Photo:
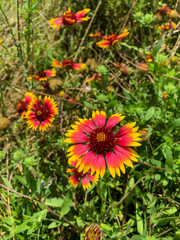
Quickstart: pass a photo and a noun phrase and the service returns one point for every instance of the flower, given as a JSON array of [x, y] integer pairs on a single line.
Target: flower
[[96, 35], [142, 67], [118, 65], [165, 96], [42, 75], [69, 18], [112, 39], [172, 14], [96, 143], [68, 63], [77, 176], [164, 9], [167, 26], [93, 232], [23, 105], [41, 113], [95, 77], [149, 57]]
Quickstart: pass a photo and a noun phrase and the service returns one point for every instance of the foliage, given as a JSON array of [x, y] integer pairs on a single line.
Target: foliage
[[36, 200]]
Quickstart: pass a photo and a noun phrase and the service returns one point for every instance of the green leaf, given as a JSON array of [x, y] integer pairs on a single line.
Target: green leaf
[[7, 220], [169, 157], [157, 47], [7, 183], [54, 202], [173, 125], [112, 103], [66, 204], [89, 105], [149, 113], [54, 225], [139, 220], [107, 227]]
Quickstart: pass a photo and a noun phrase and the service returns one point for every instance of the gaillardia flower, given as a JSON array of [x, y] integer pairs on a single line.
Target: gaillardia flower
[[149, 57], [97, 144], [167, 26], [77, 176], [69, 18], [95, 77], [42, 75], [96, 35], [93, 232], [41, 113], [112, 39], [23, 105], [68, 63]]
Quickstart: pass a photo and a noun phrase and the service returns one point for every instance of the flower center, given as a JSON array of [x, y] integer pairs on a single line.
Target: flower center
[[112, 38], [102, 140], [41, 113], [67, 63], [40, 75], [69, 16]]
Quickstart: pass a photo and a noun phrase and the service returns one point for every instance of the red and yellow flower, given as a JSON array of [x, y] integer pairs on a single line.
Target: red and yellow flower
[[96, 144], [112, 39], [68, 63], [42, 75], [167, 26], [69, 18], [95, 77], [41, 113], [149, 57], [78, 176], [96, 35], [142, 67], [93, 232], [23, 105]]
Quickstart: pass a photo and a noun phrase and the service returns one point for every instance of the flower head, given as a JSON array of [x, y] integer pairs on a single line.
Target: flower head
[[112, 39], [96, 35], [69, 18], [167, 26], [164, 9], [93, 232], [41, 113], [142, 67], [118, 65], [172, 14], [42, 75], [149, 57], [77, 176], [95, 77], [96, 144], [23, 105], [68, 63]]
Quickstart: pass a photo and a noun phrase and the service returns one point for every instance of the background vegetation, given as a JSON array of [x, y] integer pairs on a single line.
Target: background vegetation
[[36, 200]]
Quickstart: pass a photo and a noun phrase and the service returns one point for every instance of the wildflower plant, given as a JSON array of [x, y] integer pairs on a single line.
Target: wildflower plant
[[61, 167]]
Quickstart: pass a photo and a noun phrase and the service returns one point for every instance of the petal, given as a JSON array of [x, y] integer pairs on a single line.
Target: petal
[[99, 118], [82, 13], [50, 73], [79, 66], [56, 22], [98, 164], [74, 180], [77, 137], [113, 120], [78, 150], [103, 44], [55, 63], [85, 182], [70, 21], [82, 19], [114, 163]]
